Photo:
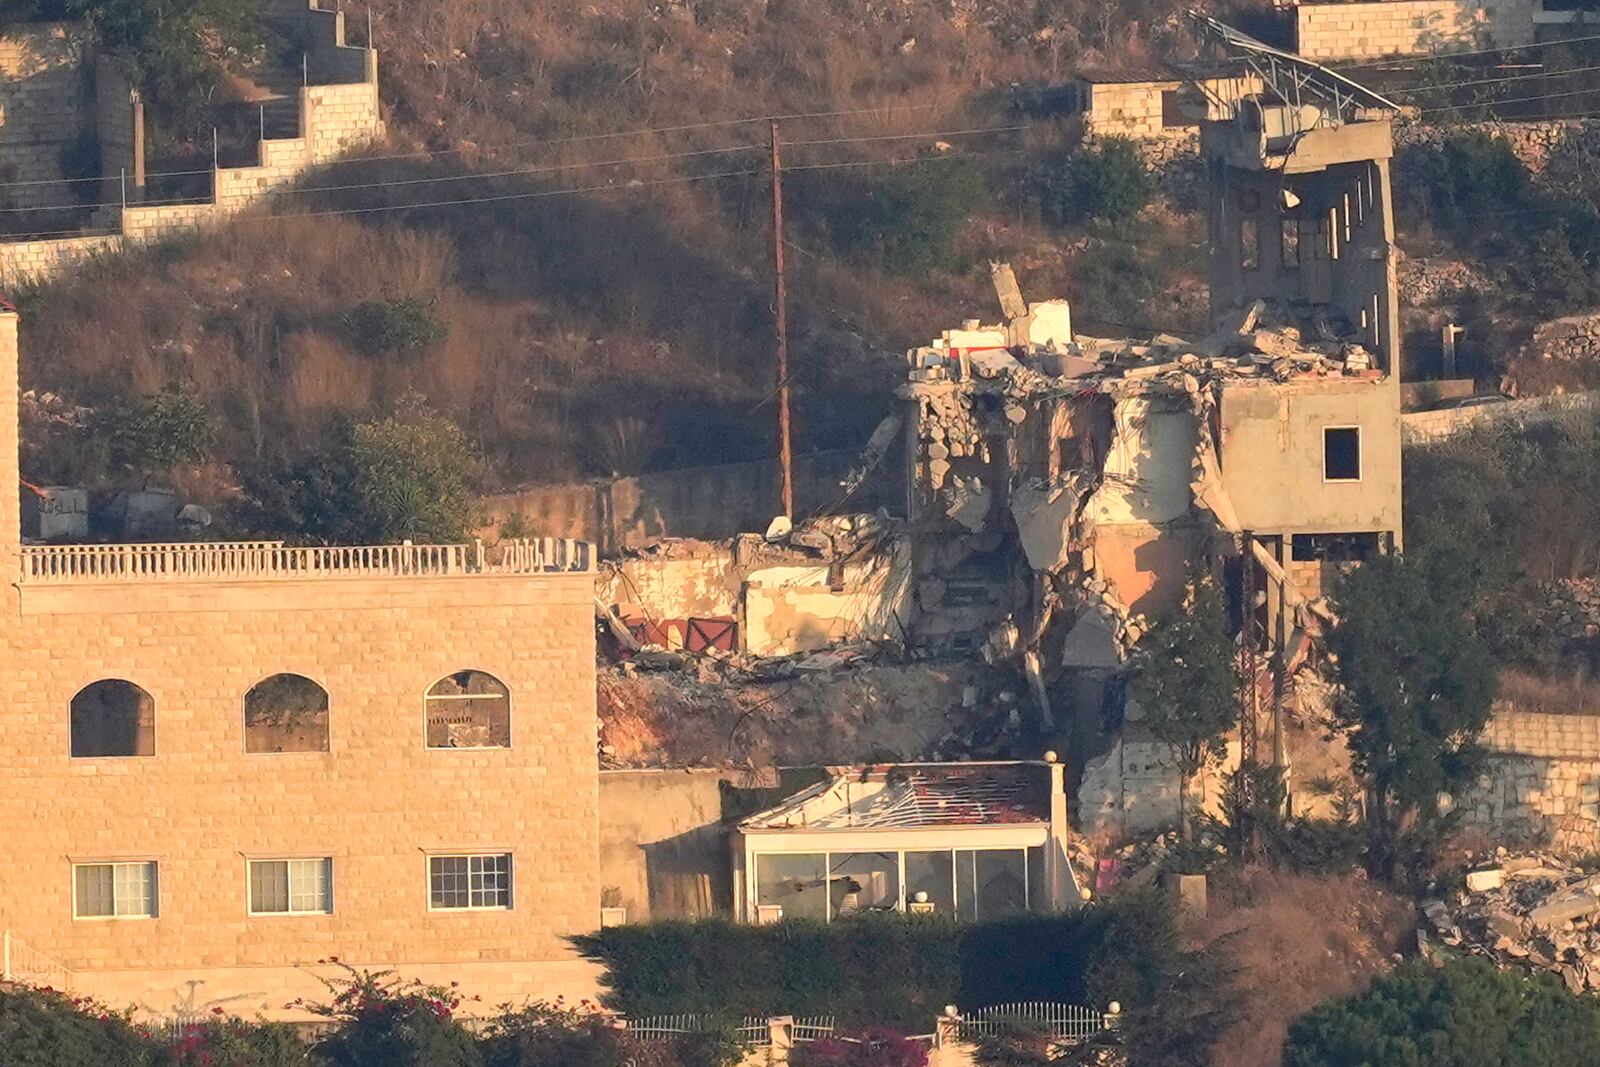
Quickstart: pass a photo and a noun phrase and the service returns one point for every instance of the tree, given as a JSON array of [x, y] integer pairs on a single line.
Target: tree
[[910, 217], [405, 477], [160, 431], [1416, 681], [174, 50], [1465, 1014], [1188, 684], [1105, 181]]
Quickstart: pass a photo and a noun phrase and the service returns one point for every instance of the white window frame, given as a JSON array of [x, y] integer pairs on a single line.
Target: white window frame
[[154, 868], [326, 863], [469, 856], [1361, 456]]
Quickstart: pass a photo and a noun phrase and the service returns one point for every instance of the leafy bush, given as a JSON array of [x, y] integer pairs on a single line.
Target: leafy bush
[[907, 220], [551, 1035], [873, 1047], [386, 1022], [156, 433], [230, 1042], [891, 970], [395, 327], [409, 476], [1106, 181], [1465, 1014], [42, 1028]]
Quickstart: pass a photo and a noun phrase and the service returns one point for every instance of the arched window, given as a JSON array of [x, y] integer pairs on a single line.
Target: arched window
[[468, 709], [113, 717], [286, 713]]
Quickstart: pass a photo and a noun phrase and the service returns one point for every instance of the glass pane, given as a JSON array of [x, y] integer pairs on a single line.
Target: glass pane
[[966, 884], [133, 887], [448, 881], [95, 889], [269, 886], [793, 882], [864, 881], [929, 873], [1038, 884], [1001, 883], [490, 881], [308, 885]]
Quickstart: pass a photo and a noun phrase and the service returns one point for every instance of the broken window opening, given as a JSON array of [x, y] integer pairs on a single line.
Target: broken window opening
[[1179, 109], [1249, 244], [468, 709], [1290, 241], [113, 717], [1341, 454], [1344, 216], [286, 713], [1334, 547]]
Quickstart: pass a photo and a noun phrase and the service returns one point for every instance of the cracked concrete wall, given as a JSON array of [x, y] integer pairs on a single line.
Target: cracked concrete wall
[[1272, 455], [798, 609]]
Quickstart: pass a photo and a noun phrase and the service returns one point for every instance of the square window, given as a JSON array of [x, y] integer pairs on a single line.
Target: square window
[[481, 881], [291, 887], [114, 890], [1341, 454]]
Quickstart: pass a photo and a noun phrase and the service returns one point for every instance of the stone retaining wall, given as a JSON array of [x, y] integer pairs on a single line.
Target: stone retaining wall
[[1427, 427], [46, 103], [335, 119], [1543, 781]]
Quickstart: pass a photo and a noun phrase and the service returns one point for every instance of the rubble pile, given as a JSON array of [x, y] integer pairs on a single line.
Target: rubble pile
[[1571, 608], [1535, 911], [1573, 339]]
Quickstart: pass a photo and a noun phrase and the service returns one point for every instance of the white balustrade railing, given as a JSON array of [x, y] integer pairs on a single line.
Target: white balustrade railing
[[25, 965], [273, 560]]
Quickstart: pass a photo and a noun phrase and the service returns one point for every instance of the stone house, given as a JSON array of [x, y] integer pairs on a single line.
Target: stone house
[[227, 762]]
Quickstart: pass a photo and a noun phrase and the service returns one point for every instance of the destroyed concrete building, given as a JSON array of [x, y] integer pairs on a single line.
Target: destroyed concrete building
[[1073, 484]]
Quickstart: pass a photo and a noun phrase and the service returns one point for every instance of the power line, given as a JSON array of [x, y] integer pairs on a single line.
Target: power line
[[1512, 100], [1441, 56], [906, 136], [1491, 81], [794, 116]]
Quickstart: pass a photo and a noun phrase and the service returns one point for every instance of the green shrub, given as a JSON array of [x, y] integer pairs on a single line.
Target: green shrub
[[42, 1028], [550, 1035], [401, 328], [155, 433], [875, 1046], [1106, 181], [231, 1042], [907, 220], [1465, 1014], [386, 1022], [891, 970]]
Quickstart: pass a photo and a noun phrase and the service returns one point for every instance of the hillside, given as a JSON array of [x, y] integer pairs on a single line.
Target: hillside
[[628, 327]]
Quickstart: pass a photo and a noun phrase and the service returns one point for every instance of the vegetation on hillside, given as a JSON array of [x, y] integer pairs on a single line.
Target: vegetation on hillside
[[616, 315], [1465, 1014]]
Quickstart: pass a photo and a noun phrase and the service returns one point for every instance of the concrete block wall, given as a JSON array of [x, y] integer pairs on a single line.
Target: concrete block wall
[[46, 103], [1427, 427], [1336, 31]]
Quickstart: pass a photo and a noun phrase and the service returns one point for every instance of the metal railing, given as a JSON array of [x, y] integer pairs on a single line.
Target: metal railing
[[1068, 1022], [21, 963], [273, 560], [752, 1032]]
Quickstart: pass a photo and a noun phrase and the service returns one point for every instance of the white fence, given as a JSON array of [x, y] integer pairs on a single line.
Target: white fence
[[1066, 1022], [272, 560], [25, 965]]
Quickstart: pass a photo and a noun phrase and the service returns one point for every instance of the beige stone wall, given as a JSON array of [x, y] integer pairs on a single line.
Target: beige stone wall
[[45, 102], [377, 802], [1427, 427], [1331, 31]]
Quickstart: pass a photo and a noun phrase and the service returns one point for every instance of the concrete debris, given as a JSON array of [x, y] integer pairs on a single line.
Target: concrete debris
[[1532, 912], [779, 528]]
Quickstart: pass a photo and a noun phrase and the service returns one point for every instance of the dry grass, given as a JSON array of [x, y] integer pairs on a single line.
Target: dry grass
[[1567, 692], [577, 317], [1298, 940]]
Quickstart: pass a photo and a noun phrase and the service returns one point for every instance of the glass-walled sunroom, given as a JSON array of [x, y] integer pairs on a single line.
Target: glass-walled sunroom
[[968, 884]]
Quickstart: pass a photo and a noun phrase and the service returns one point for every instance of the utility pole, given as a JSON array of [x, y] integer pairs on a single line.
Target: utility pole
[[785, 458]]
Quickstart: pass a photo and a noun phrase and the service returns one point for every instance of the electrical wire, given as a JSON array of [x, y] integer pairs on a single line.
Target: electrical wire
[[1440, 56], [1513, 100], [1490, 81]]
